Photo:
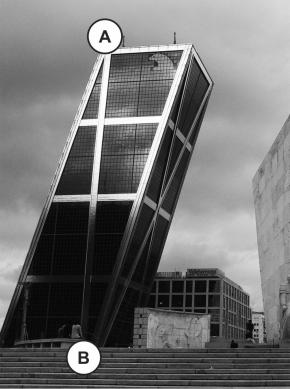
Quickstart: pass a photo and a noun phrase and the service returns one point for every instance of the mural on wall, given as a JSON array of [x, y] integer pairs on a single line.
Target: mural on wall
[[168, 329]]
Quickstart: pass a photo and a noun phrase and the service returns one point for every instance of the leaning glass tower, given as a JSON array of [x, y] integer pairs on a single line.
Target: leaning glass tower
[[100, 236]]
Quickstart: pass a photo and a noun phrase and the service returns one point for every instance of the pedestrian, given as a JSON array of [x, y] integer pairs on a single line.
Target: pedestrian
[[234, 344], [76, 331]]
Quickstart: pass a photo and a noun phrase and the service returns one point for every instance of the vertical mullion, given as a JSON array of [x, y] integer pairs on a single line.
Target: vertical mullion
[[94, 195]]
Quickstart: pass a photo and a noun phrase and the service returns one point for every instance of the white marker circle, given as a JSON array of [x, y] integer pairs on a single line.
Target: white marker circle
[[83, 357], [105, 36]]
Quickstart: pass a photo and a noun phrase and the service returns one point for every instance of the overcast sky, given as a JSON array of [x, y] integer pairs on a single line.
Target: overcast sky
[[45, 64]]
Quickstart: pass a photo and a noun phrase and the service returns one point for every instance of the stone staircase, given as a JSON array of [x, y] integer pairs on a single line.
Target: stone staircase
[[137, 368]]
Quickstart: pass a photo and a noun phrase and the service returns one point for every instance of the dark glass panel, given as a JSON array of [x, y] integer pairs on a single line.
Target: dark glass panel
[[152, 97], [195, 132], [65, 300], [111, 220], [92, 108], [72, 218], [69, 254], [70, 239], [164, 287], [156, 180], [98, 291], [106, 250], [77, 173], [214, 286], [200, 300], [122, 99], [139, 83], [122, 331], [63, 250], [214, 330], [119, 140], [177, 300], [200, 286], [144, 220], [124, 155], [176, 183], [177, 286], [112, 216], [191, 80], [151, 302], [36, 327], [176, 107], [42, 258], [116, 174], [177, 146], [163, 301], [188, 300], [49, 225], [158, 241], [142, 263], [188, 286], [139, 163], [76, 177], [154, 286], [38, 299], [196, 87], [213, 300], [84, 142], [125, 67], [144, 138]]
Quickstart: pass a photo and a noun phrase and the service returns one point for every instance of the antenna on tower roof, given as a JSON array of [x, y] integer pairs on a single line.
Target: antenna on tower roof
[[123, 40], [174, 38]]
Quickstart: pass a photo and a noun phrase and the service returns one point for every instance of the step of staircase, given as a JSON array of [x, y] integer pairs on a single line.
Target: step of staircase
[[139, 368]]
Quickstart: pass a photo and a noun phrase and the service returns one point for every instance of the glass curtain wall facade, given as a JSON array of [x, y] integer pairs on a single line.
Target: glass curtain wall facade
[[204, 291], [100, 237]]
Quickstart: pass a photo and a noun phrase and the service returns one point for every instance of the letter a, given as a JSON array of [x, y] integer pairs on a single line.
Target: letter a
[[105, 37], [83, 357]]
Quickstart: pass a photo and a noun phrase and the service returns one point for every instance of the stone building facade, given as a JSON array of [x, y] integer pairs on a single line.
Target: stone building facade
[[271, 189]]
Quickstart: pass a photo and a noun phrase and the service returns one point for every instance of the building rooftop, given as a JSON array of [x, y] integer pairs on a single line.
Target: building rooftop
[[199, 273]]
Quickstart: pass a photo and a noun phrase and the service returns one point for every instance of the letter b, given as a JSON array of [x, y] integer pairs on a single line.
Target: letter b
[[83, 357]]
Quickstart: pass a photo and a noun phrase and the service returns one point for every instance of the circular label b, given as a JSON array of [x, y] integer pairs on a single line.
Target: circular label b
[[105, 36], [83, 357]]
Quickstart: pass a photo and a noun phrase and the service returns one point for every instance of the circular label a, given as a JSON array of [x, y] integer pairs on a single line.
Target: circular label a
[[105, 36], [83, 357]]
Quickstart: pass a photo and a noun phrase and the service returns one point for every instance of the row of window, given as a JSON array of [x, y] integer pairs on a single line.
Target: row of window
[[235, 293], [180, 300], [188, 286], [230, 332], [234, 306], [235, 319], [202, 286]]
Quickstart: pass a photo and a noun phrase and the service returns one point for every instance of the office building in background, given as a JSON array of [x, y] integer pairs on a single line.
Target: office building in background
[[259, 332], [206, 291]]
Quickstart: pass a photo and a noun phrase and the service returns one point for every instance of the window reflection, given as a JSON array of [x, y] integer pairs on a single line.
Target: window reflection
[[139, 83], [125, 152]]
